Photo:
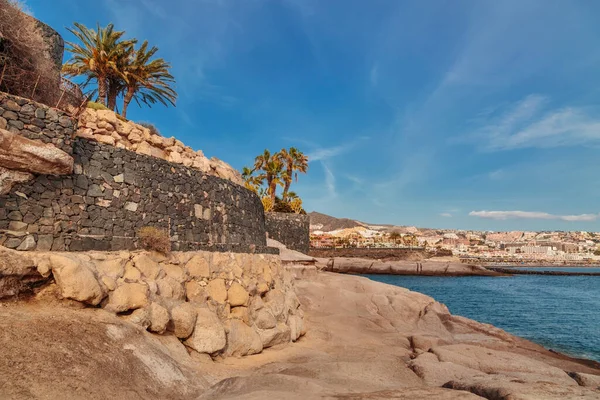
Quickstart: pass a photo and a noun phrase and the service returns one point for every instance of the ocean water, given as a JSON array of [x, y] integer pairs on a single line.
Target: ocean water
[[561, 313]]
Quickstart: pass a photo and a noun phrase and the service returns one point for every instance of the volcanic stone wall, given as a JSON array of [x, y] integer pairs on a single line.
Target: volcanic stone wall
[[115, 192], [37, 121], [289, 229]]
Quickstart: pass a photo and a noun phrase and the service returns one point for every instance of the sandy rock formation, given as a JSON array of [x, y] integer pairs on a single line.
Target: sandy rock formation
[[32, 156], [9, 178], [103, 126]]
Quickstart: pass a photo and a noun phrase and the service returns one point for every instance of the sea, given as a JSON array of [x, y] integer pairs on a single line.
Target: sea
[[561, 313]]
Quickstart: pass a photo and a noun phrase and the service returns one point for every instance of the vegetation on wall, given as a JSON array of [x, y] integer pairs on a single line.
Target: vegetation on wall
[[26, 67], [116, 69], [273, 170]]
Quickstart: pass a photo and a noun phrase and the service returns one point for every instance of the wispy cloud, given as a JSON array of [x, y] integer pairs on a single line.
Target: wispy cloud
[[325, 153], [329, 180], [504, 215], [446, 215], [530, 123]]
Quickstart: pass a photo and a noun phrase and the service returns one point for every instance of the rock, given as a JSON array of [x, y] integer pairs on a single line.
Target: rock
[[265, 319], [9, 178], [501, 387], [275, 301], [147, 266], [209, 334], [237, 295], [19, 274], [118, 178], [26, 155], [436, 373], [217, 290], [241, 313], [127, 296], [45, 242], [132, 273], [198, 267], [105, 139], [75, 280], [170, 288], [159, 318], [196, 292], [242, 340], [280, 334], [586, 380], [27, 244], [149, 150], [296, 323], [115, 268], [107, 116], [501, 362], [108, 282], [175, 272], [183, 320], [140, 317], [17, 226]]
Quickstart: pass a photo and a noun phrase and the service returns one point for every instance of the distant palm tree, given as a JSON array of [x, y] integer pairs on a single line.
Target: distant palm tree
[[271, 169], [97, 56], [250, 181], [294, 161], [147, 80]]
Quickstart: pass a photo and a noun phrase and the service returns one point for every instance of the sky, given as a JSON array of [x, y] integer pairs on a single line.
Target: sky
[[465, 114]]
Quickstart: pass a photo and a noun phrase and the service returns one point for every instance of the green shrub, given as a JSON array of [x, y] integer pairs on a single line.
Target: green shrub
[[153, 129], [96, 106], [152, 238]]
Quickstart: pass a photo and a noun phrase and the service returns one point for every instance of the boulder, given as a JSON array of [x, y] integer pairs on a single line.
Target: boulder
[[75, 280], [280, 334], [114, 268], [275, 301], [140, 317], [209, 334], [159, 318], [198, 267], [21, 154], [265, 319], [170, 288], [147, 266], [18, 273], [217, 290], [149, 150], [586, 380], [9, 178], [240, 313], [196, 292], [242, 340], [296, 323], [175, 272], [127, 296], [183, 320], [107, 116], [237, 295]]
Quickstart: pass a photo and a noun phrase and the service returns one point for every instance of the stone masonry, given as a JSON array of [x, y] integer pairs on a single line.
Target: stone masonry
[[115, 192], [289, 229]]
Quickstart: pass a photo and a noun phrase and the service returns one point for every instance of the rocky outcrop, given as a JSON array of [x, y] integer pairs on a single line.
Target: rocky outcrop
[[216, 303], [105, 127], [427, 268], [21, 154]]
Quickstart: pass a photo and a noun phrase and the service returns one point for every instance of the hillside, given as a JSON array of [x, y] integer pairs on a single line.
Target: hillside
[[327, 223]]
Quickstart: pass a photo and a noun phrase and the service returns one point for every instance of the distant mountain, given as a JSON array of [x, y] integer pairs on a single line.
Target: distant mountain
[[327, 223]]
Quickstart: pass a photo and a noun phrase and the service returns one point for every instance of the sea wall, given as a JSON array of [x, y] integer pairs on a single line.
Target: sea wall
[[36, 121], [289, 229], [216, 303], [415, 254], [106, 127], [114, 192]]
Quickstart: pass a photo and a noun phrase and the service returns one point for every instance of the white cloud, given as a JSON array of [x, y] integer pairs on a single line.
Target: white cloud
[[325, 153], [529, 123], [446, 215], [504, 215]]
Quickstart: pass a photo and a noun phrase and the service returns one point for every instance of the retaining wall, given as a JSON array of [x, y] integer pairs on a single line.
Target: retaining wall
[[37, 121], [115, 192], [289, 229]]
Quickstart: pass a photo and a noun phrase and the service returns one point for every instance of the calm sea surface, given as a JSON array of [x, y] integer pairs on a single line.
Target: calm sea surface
[[561, 313]]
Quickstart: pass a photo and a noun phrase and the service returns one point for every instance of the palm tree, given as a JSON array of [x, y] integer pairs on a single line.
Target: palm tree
[[250, 181], [271, 168], [147, 80], [97, 55], [295, 161]]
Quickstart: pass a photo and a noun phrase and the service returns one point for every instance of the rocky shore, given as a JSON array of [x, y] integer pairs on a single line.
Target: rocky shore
[[364, 340], [352, 265]]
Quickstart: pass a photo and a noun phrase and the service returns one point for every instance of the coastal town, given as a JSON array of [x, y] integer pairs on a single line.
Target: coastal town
[[552, 247]]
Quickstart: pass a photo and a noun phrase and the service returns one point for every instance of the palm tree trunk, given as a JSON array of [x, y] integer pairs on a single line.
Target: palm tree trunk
[[286, 189], [102, 89], [272, 190], [126, 100], [112, 96]]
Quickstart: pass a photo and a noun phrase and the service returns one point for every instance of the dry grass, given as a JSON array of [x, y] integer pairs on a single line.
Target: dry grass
[[152, 238], [28, 70]]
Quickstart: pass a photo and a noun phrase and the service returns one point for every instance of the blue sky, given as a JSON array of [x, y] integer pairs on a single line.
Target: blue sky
[[451, 114]]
